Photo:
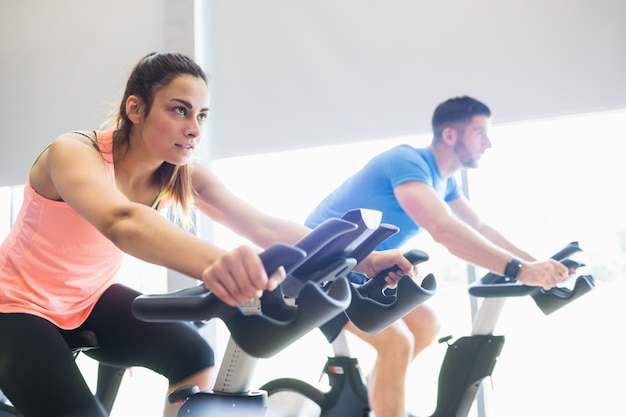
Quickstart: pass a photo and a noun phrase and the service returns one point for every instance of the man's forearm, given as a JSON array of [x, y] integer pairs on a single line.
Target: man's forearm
[[498, 239]]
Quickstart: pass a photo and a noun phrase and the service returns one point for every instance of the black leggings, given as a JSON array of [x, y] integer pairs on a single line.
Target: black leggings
[[40, 377]]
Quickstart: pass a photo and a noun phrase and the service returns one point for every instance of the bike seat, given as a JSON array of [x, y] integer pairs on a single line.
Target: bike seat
[[82, 340]]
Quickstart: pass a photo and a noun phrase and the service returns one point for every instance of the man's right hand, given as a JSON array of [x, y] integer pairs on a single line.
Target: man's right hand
[[546, 274]]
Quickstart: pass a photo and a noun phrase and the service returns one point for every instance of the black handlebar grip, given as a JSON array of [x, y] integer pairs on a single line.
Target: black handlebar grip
[[283, 255], [567, 251], [494, 285], [375, 287], [199, 303]]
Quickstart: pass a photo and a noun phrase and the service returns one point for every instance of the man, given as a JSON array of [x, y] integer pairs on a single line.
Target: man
[[415, 189]]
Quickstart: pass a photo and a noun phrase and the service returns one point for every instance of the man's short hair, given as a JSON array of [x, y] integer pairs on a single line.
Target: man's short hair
[[455, 111]]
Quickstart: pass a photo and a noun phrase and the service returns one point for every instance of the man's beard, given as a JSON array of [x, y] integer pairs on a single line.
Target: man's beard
[[464, 155]]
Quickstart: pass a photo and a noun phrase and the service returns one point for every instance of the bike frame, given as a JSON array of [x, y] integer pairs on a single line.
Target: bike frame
[[459, 378]]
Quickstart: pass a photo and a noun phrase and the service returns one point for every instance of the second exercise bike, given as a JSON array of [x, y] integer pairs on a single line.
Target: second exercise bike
[[468, 360]]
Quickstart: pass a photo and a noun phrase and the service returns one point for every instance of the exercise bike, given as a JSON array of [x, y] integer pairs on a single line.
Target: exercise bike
[[264, 327], [467, 362], [316, 289]]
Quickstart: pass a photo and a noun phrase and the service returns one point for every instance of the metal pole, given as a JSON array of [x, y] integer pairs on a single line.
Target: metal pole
[[481, 408]]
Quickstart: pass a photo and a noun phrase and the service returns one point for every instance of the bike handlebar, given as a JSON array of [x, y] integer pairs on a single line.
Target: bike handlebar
[[494, 285], [374, 307], [326, 254]]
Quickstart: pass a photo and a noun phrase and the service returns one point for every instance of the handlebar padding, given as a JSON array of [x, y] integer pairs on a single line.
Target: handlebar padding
[[372, 316], [373, 308]]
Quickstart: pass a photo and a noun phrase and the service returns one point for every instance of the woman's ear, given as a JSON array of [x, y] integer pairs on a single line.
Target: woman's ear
[[134, 109]]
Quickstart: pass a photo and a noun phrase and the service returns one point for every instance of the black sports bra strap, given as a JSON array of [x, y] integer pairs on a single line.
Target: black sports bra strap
[[93, 140]]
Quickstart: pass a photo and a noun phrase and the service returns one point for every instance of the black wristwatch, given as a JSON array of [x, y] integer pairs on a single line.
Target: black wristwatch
[[512, 268]]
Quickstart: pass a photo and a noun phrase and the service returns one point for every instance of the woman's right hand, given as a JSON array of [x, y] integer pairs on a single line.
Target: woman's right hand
[[239, 277]]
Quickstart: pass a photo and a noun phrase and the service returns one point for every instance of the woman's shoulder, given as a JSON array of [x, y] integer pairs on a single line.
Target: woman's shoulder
[[90, 137]]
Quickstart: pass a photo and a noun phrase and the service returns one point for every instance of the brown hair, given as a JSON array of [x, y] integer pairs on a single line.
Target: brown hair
[[153, 72], [456, 111]]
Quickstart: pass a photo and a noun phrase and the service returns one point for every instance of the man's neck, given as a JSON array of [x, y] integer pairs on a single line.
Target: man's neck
[[447, 162]]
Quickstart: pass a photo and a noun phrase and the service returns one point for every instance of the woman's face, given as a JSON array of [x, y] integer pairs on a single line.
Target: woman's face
[[173, 127]]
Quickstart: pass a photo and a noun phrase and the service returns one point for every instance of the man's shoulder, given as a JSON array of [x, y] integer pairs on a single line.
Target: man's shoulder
[[403, 152]]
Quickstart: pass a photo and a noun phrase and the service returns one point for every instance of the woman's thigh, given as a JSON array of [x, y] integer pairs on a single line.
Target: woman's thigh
[[38, 372], [175, 350]]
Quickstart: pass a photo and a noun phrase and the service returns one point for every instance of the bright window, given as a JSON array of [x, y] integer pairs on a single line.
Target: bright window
[[544, 184]]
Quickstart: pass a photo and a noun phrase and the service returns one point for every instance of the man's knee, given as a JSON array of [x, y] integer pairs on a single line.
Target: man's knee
[[395, 340], [424, 325]]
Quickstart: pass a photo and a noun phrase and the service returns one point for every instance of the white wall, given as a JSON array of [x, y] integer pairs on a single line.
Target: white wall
[[291, 74], [65, 63]]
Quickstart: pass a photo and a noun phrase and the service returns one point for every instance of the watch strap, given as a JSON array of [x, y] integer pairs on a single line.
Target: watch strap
[[512, 268]]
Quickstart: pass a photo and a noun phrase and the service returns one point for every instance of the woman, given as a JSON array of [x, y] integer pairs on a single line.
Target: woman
[[93, 196]]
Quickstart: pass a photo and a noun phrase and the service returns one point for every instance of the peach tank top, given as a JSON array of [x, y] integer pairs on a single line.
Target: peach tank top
[[53, 263]]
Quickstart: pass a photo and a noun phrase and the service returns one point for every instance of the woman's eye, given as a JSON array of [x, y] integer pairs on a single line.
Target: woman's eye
[[180, 110], [203, 116]]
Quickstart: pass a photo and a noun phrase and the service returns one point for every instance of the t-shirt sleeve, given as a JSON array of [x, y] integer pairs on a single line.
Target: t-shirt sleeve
[[402, 165]]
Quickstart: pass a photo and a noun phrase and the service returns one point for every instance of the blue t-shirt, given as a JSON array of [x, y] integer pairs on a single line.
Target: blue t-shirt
[[372, 188]]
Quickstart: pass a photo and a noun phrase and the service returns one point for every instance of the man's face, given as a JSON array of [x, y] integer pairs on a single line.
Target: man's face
[[472, 141]]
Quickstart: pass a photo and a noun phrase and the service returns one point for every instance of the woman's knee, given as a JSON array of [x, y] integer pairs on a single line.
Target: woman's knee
[[189, 361]]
